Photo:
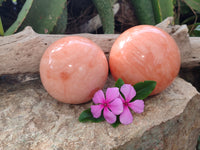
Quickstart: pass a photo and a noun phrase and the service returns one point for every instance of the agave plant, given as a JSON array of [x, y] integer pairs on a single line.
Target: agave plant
[[51, 16], [44, 16]]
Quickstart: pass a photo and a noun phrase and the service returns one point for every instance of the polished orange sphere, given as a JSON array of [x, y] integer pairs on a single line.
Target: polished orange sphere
[[144, 53], [72, 69]]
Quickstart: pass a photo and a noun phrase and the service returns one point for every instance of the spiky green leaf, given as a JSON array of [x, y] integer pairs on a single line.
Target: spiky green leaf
[[152, 11], [156, 11], [194, 4], [44, 14], [1, 27], [61, 23], [21, 16], [104, 8], [1, 1], [144, 11], [167, 8]]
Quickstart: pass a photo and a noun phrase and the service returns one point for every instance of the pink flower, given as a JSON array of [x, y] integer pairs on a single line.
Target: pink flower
[[137, 106], [111, 105]]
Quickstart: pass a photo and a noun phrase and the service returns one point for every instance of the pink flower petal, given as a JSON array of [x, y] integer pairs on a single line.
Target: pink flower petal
[[112, 93], [96, 110], [126, 116], [98, 97], [109, 116], [128, 91], [116, 106], [137, 106], [122, 99]]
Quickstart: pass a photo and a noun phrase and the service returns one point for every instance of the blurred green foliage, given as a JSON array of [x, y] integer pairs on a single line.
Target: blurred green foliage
[[193, 4], [21, 16], [188, 12], [104, 8], [198, 144], [152, 11], [51, 16], [1, 28], [43, 15]]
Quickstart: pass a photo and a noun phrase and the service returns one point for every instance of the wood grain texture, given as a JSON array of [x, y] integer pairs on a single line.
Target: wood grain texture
[[21, 52]]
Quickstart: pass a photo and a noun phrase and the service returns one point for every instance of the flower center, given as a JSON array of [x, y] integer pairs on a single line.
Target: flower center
[[105, 104], [126, 103]]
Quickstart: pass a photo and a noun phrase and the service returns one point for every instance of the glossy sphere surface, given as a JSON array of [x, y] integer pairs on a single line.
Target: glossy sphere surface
[[72, 69], [145, 53]]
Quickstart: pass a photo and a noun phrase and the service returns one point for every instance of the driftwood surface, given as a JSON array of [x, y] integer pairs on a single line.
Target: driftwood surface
[[21, 52]]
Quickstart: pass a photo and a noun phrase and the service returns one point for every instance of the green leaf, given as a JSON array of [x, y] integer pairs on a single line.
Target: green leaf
[[144, 89], [104, 8], [162, 9], [188, 19], [156, 11], [119, 83], [61, 23], [21, 16], [194, 4], [198, 144], [44, 14], [144, 11], [196, 31], [152, 11], [14, 2], [117, 123], [167, 8], [184, 9], [87, 116], [1, 1], [1, 27]]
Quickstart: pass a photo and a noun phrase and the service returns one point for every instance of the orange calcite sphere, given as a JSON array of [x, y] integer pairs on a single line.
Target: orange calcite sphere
[[145, 53], [72, 69]]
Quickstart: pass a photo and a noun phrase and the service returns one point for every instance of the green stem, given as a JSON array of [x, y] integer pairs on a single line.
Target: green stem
[[1, 28]]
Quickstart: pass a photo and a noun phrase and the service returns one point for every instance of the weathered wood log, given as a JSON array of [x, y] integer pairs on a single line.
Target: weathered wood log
[[21, 52], [193, 58], [31, 119]]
